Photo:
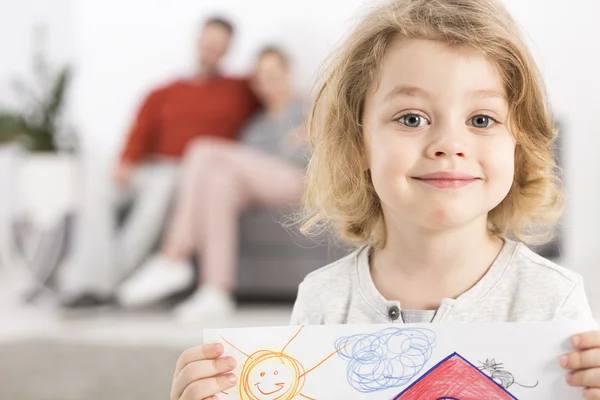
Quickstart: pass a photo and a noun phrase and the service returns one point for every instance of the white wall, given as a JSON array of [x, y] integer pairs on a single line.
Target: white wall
[[122, 48], [18, 19]]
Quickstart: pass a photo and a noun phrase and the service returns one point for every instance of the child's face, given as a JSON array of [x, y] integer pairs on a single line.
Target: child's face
[[438, 159]]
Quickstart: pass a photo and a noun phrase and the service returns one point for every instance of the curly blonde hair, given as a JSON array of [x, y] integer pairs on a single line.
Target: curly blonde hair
[[340, 194]]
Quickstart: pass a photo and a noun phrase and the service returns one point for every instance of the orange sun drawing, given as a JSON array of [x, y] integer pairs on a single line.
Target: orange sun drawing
[[273, 375]]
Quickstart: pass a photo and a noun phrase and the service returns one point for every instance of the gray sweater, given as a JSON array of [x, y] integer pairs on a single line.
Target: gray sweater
[[520, 286], [270, 134]]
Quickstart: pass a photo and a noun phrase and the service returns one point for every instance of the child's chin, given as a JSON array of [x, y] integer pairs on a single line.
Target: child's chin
[[445, 221]]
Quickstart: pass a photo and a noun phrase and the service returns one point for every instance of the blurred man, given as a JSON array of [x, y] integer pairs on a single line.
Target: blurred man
[[172, 116]]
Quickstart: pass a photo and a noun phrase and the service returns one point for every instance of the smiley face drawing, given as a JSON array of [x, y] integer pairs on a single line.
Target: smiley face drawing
[[273, 375]]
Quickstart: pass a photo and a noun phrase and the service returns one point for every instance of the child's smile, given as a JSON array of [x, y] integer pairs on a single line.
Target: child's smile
[[447, 179]]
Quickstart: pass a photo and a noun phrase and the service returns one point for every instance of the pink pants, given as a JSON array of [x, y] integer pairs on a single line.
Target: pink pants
[[219, 180]]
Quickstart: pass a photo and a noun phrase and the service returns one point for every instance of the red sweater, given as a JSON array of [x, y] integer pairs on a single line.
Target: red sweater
[[173, 115]]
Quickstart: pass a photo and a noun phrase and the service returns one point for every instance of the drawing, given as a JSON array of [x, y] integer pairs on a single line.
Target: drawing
[[389, 358], [273, 375], [455, 378], [501, 376]]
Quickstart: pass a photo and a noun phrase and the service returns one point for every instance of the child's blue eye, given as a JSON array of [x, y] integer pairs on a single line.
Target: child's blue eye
[[482, 121], [412, 120]]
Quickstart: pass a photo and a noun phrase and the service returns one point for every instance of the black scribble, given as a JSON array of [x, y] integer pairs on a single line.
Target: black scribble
[[498, 374]]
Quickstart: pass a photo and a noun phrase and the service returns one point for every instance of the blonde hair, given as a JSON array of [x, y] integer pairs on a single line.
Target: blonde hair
[[340, 194]]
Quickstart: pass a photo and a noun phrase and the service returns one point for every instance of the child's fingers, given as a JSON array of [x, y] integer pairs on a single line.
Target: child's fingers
[[198, 370], [587, 340], [584, 378], [591, 394], [204, 388], [206, 352], [581, 359]]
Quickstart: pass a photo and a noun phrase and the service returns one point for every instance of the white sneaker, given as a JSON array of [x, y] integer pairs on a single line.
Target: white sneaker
[[156, 280], [206, 303]]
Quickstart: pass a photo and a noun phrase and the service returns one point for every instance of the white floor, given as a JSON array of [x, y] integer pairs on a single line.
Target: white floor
[[18, 322]]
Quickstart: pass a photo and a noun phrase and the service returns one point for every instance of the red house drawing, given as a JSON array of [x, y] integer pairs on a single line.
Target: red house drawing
[[454, 378]]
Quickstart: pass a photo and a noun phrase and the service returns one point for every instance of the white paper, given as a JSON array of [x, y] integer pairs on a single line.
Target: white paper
[[406, 362]]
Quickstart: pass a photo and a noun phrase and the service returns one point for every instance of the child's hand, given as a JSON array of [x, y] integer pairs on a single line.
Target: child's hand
[[585, 364], [198, 373]]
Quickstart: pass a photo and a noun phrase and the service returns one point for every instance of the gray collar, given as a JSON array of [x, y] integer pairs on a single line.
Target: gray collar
[[382, 306]]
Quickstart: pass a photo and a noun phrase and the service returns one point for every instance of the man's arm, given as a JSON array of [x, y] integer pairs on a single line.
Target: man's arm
[[140, 137], [143, 131]]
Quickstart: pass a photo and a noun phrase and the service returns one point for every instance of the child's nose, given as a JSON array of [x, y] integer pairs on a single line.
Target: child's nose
[[449, 143], [442, 154], [447, 149]]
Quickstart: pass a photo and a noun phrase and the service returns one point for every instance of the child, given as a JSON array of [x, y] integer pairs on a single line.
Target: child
[[432, 145]]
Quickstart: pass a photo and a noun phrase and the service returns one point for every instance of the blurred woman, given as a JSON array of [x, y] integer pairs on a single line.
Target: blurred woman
[[220, 179]]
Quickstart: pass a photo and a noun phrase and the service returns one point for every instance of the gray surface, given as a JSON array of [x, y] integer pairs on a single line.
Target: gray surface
[[275, 257], [51, 370]]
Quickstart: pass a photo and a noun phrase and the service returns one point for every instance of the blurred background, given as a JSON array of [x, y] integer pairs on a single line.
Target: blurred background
[[82, 315]]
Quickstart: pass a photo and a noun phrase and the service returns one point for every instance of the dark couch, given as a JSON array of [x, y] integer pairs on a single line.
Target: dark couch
[[274, 256]]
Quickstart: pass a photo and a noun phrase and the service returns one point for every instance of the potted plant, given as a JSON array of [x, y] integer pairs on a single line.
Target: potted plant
[[41, 183], [37, 124]]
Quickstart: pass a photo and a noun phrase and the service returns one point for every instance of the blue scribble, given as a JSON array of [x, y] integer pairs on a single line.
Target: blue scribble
[[389, 358]]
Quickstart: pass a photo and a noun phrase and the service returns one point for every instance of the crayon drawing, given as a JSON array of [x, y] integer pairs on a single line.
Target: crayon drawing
[[273, 375], [455, 378], [385, 359], [450, 361], [501, 376]]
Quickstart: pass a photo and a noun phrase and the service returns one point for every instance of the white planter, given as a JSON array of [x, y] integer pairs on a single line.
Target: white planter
[[38, 189], [46, 187]]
